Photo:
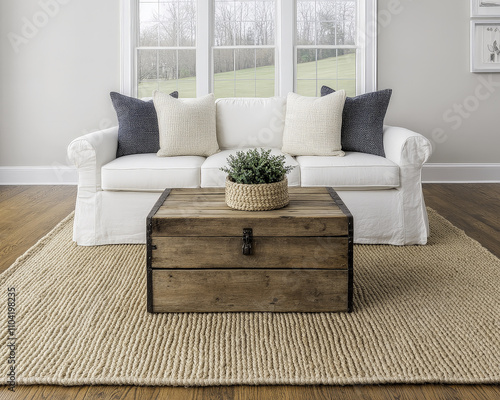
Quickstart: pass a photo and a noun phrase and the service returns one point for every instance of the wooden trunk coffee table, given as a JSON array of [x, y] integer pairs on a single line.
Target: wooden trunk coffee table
[[203, 256]]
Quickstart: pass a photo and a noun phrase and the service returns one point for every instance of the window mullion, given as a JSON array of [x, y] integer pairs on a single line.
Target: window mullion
[[204, 29], [367, 42], [285, 41], [129, 10]]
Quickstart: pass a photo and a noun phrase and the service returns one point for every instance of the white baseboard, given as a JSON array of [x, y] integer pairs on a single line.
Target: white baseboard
[[40, 175], [461, 173], [431, 173]]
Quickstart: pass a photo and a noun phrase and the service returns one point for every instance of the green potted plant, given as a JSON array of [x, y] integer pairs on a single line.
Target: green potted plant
[[256, 180]]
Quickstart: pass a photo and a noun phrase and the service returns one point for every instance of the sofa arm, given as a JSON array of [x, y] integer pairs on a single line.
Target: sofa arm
[[89, 153], [410, 151], [405, 147]]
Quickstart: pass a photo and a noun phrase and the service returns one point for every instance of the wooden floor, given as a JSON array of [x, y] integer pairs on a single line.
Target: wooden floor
[[28, 212]]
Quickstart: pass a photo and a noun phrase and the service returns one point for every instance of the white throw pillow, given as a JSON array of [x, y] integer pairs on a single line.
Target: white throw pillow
[[313, 125], [187, 126]]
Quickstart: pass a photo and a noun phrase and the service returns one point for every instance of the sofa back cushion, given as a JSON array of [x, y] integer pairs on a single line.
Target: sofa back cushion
[[250, 122]]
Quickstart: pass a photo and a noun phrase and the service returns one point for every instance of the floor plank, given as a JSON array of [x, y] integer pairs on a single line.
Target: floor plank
[[475, 208], [27, 213]]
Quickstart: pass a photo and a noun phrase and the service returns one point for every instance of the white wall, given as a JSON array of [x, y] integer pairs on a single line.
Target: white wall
[[423, 55], [56, 87]]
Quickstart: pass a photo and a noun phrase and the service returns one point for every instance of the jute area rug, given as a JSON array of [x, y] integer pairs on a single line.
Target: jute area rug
[[421, 314]]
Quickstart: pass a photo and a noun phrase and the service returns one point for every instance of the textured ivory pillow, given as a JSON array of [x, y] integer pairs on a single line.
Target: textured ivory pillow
[[187, 126], [313, 125]]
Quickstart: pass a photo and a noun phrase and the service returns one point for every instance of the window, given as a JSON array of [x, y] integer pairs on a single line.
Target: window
[[325, 46], [248, 48], [166, 54], [243, 51]]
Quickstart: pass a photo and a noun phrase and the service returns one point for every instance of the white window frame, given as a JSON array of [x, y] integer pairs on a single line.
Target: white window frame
[[285, 58], [129, 11]]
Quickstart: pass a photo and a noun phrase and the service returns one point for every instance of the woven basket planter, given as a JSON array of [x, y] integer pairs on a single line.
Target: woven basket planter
[[260, 197]]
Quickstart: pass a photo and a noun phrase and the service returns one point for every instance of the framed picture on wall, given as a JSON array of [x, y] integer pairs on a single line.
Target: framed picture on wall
[[485, 45], [485, 8]]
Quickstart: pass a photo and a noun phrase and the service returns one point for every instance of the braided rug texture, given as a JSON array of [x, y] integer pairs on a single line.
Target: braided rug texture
[[421, 314]]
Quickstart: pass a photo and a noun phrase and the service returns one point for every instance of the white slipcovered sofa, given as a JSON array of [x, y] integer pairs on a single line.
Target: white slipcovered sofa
[[116, 194]]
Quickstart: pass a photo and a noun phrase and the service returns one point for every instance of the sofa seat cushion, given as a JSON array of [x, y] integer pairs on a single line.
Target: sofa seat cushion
[[354, 171], [212, 176], [147, 172]]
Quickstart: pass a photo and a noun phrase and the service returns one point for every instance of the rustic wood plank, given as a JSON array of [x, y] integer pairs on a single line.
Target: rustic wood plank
[[195, 197], [230, 213], [202, 212], [306, 190], [223, 290], [267, 252], [350, 251], [198, 190], [221, 205], [291, 190], [278, 226], [149, 248]]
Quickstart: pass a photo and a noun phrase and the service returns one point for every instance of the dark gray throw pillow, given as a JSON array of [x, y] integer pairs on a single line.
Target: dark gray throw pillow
[[137, 125], [363, 121]]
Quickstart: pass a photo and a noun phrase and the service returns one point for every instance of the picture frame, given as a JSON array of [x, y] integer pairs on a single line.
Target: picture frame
[[485, 45], [485, 8]]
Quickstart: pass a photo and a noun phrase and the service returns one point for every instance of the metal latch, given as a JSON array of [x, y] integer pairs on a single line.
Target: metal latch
[[247, 241]]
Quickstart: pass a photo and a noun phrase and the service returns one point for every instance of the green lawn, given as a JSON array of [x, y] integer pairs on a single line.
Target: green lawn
[[336, 72]]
